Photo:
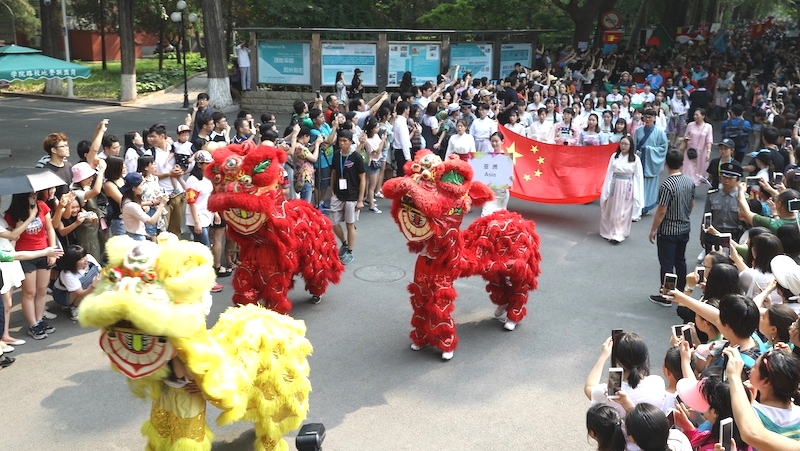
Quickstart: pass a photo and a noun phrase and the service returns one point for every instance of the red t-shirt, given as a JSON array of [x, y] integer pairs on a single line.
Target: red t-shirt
[[34, 238]]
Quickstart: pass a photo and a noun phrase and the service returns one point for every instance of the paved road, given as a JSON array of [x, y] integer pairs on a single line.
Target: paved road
[[518, 390]]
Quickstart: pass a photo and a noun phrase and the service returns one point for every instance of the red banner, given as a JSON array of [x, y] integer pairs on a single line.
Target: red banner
[[556, 174], [761, 28], [612, 37]]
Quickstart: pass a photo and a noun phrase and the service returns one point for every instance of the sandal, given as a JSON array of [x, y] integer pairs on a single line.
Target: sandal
[[223, 271]]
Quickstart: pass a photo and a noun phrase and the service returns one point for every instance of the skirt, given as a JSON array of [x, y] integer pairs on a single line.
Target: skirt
[[12, 276]]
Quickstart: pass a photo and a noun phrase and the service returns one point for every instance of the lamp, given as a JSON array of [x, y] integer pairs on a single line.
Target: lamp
[[177, 16]]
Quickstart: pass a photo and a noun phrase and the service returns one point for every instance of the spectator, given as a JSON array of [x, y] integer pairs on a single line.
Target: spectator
[[115, 171], [402, 137], [79, 276], [304, 158], [165, 170], [370, 146], [134, 148], [200, 107], [348, 193], [243, 55], [133, 215]]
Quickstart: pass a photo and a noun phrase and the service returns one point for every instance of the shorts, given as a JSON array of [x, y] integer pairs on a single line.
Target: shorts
[[370, 171], [343, 210], [29, 266], [323, 177]]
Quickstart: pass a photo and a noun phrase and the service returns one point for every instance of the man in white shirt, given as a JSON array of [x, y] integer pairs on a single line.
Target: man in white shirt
[[165, 170], [402, 139], [243, 55], [365, 110]]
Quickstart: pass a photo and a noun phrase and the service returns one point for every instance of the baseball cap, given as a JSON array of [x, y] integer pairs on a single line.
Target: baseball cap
[[358, 71], [484, 92], [132, 180], [730, 170], [727, 142], [183, 128], [203, 156]]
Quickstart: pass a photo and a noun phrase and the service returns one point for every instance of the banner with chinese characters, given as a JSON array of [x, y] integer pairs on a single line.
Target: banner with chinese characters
[[556, 174], [493, 169], [421, 59], [472, 57], [347, 57], [286, 63]]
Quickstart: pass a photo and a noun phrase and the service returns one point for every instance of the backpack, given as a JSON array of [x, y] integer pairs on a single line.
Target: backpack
[[737, 134]]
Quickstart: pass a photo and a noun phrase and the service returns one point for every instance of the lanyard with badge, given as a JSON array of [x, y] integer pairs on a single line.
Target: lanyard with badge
[[342, 179]]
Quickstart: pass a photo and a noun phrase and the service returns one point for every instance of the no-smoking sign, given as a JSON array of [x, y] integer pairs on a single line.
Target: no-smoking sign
[[611, 20]]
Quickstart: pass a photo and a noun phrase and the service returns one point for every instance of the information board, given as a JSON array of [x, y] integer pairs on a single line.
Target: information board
[[511, 54], [347, 57], [474, 57], [422, 60], [287, 63]]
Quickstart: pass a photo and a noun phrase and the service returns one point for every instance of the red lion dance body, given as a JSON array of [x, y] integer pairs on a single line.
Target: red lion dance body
[[503, 248], [279, 238]]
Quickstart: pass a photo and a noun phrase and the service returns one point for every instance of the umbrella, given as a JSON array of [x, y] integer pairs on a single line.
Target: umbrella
[[27, 180], [24, 63]]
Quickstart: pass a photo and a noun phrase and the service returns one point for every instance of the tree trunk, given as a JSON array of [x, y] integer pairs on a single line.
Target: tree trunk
[[51, 41], [636, 27], [127, 90], [219, 89], [583, 17], [102, 25], [605, 6]]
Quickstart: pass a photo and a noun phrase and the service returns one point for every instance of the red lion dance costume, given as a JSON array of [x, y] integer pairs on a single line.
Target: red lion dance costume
[[503, 248], [279, 238]]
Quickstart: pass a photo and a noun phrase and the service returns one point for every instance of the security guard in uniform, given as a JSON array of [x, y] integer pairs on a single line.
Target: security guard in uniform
[[724, 206]]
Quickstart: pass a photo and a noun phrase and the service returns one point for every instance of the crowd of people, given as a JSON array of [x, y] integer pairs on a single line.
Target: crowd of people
[[740, 341]]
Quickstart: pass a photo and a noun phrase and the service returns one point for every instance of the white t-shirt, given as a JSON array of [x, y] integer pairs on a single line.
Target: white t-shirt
[[650, 390], [203, 188], [134, 217], [243, 55], [165, 161], [72, 280], [132, 158]]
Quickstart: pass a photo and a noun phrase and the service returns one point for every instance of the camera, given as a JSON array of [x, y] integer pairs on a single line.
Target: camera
[[310, 437], [793, 205], [85, 214]]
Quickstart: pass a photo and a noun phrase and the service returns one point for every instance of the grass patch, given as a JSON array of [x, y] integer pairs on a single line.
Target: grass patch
[[105, 84]]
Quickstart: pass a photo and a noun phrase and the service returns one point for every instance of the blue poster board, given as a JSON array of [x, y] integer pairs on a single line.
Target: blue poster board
[[347, 57], [422, 60], [287, 63], [474, 57], [511, 54]]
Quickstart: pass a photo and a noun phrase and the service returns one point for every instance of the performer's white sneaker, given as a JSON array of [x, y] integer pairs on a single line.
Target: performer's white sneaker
[[447, 355], [416, 347], [500, 310], [509, 325]]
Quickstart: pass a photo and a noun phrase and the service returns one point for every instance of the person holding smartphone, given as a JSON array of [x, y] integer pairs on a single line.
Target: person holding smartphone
[[715, 396]]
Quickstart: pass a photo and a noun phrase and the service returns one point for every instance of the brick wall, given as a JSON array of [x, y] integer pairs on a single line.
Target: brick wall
[[279, 101]]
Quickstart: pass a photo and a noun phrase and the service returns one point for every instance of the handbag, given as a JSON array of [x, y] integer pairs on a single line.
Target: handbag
[[374, 164], [691, 153]]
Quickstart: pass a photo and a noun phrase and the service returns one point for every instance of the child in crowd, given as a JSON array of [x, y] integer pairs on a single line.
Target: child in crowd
[[183, 150]]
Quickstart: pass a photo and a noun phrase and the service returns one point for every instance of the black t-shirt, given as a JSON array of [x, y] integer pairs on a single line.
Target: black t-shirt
[[63, 172], [353, 167], [713, 169]]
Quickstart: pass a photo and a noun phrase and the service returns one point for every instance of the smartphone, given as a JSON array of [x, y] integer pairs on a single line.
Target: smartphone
[[670, 281], [615, 333], [725, 243], [797, 176], [725, 361], [787, 142], [614, 382], [778, 178], [707, 220], [671, 418], [793, 204], [677, 329], [701, 273], [752, 182], [688, 336], [317, 94], [726, 433]]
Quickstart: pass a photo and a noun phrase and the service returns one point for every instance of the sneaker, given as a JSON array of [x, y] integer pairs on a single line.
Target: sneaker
[[343, 250], [49, 315], [73, 313], [347, 258], [416, 347], [375, 210], [660, 300], [316, 299], [5, 361], [48, 329], [509, 325], [36, 332], [216, 288], [379, 195], [447, 355]]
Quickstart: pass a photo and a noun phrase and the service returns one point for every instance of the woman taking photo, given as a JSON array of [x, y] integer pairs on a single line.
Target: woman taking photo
[[38, 236], [699, 136], [133, 215], [622, 196], [371, 144], [134, 145], [115, 170], [341, 91]]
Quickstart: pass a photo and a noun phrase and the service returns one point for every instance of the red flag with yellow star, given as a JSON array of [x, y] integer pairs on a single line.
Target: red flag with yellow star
[[556, 174]]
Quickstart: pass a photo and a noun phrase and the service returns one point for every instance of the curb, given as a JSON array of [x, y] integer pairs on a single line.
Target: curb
[[27, 95]]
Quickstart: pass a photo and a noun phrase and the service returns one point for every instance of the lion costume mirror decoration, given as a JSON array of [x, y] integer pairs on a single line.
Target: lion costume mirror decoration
[[151, 308]]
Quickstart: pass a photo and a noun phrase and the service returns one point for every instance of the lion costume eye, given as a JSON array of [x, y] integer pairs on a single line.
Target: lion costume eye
[[247, 180], [231, 163]]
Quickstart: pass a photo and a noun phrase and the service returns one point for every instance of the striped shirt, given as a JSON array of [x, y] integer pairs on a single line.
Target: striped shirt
[[676, 193]]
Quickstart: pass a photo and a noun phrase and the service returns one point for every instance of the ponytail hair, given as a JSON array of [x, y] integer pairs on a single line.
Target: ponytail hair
[[633, 356], [648, 426], [604, 422]]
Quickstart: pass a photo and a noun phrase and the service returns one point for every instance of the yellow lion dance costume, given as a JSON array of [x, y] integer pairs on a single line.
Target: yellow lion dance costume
[[151, 307]]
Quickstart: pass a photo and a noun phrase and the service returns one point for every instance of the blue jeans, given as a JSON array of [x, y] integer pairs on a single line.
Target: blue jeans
[[137, 237], [672, 256], [201, 237], [307, 192], [116, 227]]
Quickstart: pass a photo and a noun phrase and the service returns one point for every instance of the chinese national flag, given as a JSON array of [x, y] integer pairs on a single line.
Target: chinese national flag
[[612, 37], [556, 174]]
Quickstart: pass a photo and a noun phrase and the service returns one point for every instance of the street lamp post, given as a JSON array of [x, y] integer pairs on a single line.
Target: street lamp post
[[176, 17]]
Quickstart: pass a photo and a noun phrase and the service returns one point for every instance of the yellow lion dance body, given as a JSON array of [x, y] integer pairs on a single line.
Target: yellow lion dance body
[[151, 307]]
